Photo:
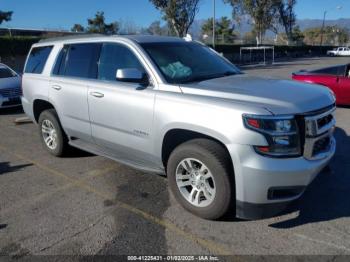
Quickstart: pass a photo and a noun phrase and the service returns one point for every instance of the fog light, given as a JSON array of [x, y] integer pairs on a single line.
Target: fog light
[[282, 140]]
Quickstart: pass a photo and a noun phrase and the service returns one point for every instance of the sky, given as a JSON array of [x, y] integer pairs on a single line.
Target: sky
[[63, 14]]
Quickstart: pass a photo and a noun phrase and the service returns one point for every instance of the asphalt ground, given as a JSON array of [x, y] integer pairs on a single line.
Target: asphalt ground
[[85, 204]]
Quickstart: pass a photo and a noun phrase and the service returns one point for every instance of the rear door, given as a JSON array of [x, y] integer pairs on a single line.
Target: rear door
[[76, 64]]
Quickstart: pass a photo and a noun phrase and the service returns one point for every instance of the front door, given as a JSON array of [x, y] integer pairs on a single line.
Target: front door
[[121, 113]]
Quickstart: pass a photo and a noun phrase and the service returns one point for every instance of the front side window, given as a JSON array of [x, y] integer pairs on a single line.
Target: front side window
[[184, 62], [113, 57], [6, 73], [78, 60], [37, 59]]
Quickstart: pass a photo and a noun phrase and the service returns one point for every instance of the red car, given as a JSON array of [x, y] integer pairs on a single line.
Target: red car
[[336, 78]]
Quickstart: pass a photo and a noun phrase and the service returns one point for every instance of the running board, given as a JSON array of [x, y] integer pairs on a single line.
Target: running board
[[95, 149]]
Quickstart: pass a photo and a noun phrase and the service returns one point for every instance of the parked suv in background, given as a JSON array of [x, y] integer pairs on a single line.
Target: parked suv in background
[[161, 104], [340, 51], [10, 87]]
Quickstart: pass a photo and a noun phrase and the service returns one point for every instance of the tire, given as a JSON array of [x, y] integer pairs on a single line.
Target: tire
[[49, 119], [218, 165]]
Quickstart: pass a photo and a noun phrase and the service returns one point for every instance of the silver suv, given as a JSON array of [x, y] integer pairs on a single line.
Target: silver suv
[[224, 139]]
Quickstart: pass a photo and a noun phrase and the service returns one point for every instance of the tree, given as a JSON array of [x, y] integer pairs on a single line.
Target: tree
[[249, 38], [207, 27], [128, 27], [286, 17], [262, 13], [98, 25], [297, 37], [78, 28], [155, 28], [224, 29], [179, 14], [332, 35], [5, 16]]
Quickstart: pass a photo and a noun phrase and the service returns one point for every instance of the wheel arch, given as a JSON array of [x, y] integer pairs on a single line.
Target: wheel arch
[[40, 105], [176, 136]]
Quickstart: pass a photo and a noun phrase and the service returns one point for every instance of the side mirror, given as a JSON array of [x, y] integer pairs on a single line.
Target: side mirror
[[132, 75]]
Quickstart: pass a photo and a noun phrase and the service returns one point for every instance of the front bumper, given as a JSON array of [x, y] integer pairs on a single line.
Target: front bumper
[[256, 176], [7, 102]]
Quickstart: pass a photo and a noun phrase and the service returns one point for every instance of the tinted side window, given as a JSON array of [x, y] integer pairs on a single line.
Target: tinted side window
[[37, 59], [114, 57], [81, 60]]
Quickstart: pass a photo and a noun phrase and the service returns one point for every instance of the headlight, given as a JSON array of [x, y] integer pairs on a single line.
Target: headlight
[[281, 134]]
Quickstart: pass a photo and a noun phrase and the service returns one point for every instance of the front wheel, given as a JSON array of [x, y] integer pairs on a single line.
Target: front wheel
[[200, 178]]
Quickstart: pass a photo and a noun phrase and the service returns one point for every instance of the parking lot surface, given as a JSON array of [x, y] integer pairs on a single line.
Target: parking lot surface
[[86, 204]]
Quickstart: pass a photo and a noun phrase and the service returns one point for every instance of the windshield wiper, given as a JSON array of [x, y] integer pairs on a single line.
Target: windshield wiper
[[207, 77]]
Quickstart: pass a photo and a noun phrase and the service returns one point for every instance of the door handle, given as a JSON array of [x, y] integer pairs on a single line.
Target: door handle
[[97, 94], [56, 87]]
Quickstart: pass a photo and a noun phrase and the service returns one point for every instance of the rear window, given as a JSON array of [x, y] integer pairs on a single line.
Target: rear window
[[78, 60], [37, 59], [6, 73]]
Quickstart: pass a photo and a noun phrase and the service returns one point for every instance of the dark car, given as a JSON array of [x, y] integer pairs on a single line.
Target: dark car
[[336, 78], [10, 87]]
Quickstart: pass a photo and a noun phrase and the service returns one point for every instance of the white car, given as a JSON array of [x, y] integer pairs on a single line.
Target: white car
[[340, 51], [10, 87]]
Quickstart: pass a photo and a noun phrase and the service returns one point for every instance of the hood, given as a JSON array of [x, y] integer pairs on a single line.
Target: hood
[[277, 96], [11, 82]]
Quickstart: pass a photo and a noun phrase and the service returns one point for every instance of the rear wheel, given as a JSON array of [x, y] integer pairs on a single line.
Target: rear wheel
[[51, 133], [200, 177]]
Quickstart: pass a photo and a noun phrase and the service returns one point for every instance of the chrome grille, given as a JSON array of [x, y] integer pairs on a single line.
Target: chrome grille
[[10, 92], [319, 134]]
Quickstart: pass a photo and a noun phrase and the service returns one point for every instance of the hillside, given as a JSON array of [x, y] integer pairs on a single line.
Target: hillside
[[302, 23]]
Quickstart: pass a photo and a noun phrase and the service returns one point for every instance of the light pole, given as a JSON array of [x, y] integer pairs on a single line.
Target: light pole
[[324, 21], [322, 29], [214, 7]]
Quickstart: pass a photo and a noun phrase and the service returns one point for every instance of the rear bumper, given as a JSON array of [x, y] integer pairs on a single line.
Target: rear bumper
[[27, 107], [265, 186]]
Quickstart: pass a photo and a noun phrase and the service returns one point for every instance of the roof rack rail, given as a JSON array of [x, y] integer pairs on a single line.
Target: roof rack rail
[[71, 37]]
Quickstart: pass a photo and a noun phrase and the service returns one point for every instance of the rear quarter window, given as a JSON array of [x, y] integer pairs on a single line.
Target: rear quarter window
[[37, 59]]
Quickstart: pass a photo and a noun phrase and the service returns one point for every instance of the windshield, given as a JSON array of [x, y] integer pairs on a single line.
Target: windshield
[[6, 73], [185, 62]]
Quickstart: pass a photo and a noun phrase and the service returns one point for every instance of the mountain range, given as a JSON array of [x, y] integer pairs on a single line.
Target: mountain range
[[307, 23], [302, 23]]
